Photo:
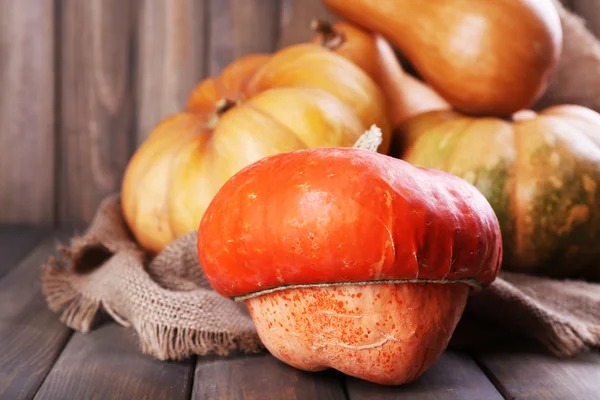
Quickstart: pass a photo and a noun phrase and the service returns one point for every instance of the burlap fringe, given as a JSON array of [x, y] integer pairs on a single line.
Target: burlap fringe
[[567, 342], [74, 309], [163, 342], [171, 343]]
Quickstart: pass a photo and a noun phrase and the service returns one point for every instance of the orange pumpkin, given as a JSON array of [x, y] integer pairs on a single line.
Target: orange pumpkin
[[483, 57], [349, 259], [406, 95], [302, 96]]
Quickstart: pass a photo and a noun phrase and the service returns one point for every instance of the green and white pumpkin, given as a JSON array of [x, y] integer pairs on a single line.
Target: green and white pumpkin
[[540, 172]]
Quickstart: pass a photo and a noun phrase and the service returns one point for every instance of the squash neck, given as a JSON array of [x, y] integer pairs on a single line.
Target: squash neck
[[330, 38]]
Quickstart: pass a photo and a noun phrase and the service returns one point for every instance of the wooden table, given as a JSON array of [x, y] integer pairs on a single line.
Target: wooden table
[[41, 358]]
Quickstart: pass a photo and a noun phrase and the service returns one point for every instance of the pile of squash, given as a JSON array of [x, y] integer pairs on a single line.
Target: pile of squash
[[362, 260], [482, 66]]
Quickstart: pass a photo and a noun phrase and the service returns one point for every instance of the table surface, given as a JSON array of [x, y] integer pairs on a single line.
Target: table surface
[[43, 359]]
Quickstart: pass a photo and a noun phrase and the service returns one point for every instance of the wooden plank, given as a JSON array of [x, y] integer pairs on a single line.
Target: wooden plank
[[106, 363], [296, 17], [15, 242], [27, 111], [97, 102], [590, 11], [31, 336], [170, 58], [240, 27], [453, 376], [255, 377], [532, 374]]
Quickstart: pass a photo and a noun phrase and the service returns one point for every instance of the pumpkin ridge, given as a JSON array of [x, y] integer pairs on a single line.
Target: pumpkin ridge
[[289, 68], [170, 179], [232, 71], [276, 121], [460, 137], [411, 132], [214, 140], [575, 116], [451, 260], [181, 120], [575, 212], [285, 72], [513, 185], [573, 128]]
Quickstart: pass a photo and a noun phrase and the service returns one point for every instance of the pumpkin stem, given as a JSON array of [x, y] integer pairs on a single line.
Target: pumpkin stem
[[523, 115], [330, 38], [370, 140], [222, 106]]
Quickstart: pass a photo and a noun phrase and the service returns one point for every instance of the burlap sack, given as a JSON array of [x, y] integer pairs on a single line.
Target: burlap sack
[[170, 306], [576, 79], [175, 313], [166, 300]]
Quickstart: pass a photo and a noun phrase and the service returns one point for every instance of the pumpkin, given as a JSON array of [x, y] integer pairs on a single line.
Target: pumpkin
[[483, 57], [405, 94], [350, 259], [302, 96], [540, 172]]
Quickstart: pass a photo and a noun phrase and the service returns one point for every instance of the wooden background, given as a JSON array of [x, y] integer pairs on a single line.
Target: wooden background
[[84, 82]]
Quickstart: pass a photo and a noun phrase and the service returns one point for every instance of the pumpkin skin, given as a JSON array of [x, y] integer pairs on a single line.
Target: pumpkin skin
[[465, 48], [302, 96], [406, 95], [350, 259], [540, 172]]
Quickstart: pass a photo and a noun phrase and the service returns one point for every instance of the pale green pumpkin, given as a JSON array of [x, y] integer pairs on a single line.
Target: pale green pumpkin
[[540, 172]]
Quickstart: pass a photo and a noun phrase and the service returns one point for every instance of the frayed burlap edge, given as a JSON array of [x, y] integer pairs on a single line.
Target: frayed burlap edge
[[74, 309], [162, 341], [78, 294]]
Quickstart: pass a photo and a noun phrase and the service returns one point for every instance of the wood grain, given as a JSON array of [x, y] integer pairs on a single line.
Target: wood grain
[[453, 376], [106, 363], [531, 374], [31, 336], [27, 111], [15, 243], [240, 27], [171, 47], [261, 377], [97, 107], [296, 17]]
